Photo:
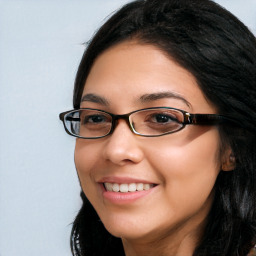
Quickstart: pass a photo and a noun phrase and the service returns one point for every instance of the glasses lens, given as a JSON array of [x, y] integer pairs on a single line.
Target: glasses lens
[[157, 121], [88, 123]]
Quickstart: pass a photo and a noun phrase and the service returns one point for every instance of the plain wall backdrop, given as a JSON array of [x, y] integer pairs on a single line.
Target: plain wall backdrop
[[40, 49]]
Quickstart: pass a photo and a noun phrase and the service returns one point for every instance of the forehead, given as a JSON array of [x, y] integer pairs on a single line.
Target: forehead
[[129, 70]]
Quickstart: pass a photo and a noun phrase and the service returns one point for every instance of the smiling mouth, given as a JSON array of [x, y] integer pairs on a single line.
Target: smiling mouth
[[124, 188]]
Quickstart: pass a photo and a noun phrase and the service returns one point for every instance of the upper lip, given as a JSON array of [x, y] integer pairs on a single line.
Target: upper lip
[[123, 180]]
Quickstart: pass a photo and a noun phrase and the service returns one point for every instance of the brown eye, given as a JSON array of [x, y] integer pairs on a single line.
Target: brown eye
[[94, 119], [162, 118]]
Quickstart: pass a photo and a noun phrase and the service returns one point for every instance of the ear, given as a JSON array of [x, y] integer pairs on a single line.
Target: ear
[[229, 161]]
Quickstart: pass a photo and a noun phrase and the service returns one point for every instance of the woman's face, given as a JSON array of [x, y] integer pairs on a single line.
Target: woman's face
[[178, 171]]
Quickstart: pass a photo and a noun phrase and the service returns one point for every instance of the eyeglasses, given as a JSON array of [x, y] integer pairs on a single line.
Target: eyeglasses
[[88, 123]]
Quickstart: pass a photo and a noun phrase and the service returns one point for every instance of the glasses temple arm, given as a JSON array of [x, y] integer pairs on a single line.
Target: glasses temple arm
[[206, 119]]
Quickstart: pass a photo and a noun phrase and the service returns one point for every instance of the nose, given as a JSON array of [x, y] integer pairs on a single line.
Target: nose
[[122, 146]]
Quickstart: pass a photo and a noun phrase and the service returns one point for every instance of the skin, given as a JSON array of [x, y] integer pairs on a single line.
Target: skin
[[183, 165]]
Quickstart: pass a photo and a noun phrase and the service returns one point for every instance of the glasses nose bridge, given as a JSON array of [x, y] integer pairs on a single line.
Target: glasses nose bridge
[[125, 117]]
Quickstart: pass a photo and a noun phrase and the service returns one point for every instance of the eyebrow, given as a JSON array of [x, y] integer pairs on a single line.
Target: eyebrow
[[161, 95], [95, 99], [150, 97]]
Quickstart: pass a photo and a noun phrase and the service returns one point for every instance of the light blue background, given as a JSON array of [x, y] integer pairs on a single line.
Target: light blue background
[[40, 49]]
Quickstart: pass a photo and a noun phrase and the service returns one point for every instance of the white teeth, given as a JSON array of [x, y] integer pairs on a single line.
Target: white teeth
[[109, 186], [115, 187], [132, 187], [124, 188], [146, 186], [140, 186]]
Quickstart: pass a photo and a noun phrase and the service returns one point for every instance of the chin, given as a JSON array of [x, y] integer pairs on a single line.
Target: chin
[[127, 234], [124, 228]]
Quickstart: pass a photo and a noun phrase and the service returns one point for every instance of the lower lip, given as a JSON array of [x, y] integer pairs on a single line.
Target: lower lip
[[124, 198]]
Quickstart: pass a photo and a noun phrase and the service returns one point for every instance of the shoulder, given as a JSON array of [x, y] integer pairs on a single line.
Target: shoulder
[[252, 252]]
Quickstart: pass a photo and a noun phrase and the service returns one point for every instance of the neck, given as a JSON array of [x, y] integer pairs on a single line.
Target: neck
[[179, 242]]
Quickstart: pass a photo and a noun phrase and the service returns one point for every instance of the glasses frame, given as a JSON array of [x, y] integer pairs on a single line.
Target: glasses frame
[[189, 119]]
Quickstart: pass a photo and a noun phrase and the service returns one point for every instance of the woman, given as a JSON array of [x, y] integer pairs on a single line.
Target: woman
[[165, 116]]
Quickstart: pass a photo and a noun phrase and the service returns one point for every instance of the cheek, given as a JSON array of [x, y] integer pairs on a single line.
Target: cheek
[[188, 168], [86, 156]]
